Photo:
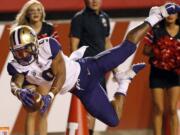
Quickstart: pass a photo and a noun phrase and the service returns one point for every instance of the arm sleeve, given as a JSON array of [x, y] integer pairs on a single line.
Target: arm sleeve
[[76, 26], [55, 47]]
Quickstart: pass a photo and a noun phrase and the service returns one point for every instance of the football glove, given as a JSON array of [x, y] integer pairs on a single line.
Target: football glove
[[156, 14], [47, 100], [26, 97]]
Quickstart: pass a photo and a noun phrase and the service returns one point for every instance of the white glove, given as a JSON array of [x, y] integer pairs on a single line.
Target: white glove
[[155, 16]]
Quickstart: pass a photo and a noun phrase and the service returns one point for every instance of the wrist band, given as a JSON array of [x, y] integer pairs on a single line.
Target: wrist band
[[51, 95]]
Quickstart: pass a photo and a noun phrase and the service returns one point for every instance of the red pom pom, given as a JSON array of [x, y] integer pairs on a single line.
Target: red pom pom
[[167, 53]]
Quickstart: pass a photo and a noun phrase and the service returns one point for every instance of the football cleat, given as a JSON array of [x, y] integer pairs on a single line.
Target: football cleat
[[129, 74], [124, 78]]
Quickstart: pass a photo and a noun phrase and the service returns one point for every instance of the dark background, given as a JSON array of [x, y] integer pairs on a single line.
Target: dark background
[[65, 9]]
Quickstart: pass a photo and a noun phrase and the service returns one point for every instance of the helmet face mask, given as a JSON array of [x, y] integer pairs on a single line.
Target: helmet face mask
[[24, 45]]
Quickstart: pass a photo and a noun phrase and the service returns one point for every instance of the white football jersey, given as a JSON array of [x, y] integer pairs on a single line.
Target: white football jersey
[[39, 72]]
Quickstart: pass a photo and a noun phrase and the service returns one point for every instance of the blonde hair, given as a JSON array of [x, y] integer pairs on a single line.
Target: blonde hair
[[22, 18]]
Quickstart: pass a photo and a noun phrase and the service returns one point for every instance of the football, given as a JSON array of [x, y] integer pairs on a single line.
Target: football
[[38, 103]]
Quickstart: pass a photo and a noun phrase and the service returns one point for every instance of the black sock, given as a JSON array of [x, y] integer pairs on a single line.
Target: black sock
[[91, 132]]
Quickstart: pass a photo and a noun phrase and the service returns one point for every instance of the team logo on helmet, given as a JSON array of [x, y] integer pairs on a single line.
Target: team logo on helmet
[[24, 44]]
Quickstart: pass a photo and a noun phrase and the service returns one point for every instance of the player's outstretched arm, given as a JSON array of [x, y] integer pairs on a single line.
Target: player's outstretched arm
[[59, 71]]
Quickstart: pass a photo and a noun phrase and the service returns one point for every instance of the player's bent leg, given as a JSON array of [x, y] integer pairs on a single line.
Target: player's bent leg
[[97, 104], [111, 58], [118, 103], [124, 79]]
